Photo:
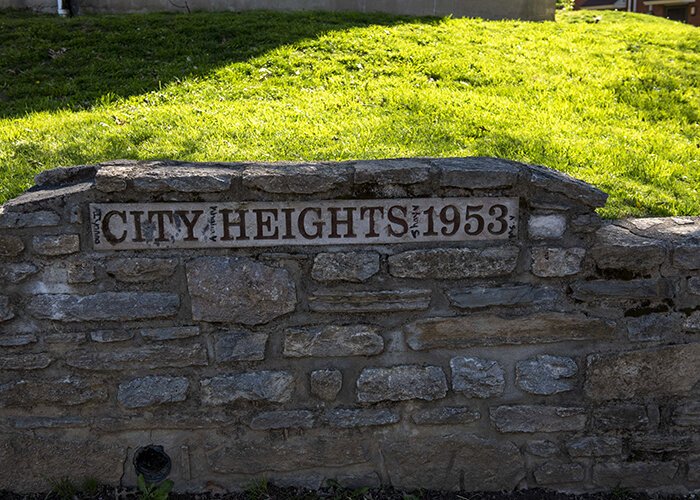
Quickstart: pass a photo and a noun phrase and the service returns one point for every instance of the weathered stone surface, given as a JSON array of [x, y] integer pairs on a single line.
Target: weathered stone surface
[[169, 333], [32, 422], [477, 173], [687, 256], [240, 346], [24, 361], [538, 418], [65, 338], [653, 327], [662, 371], [53, 245], [16, 220], [542, 448], [127, 358], [6, 311], [617, 289], [619, 248], [694, 471], [326, 384], [348, 418], [345, 266], [446, 415], [634, 474], [17, 339], [338, 301], [69, 391], [487, 329], [440, 462], [687, 414], [661, 444], [692, 323], [240, 290], [620, 417], [106, 306], [292, 453], [16, 273], [477, 297], [140, 269], [455, 263], [694, 286], [556, 262], [296, 179], [359, 481], [184, 179], [552, 181], [401, 383], [333, 341], [105, 336], [477, 377], [283, 419], [401, 172], [546, 374], [10, 246], [558, 473], [594, 446], [152, 390], [273, 386], [542, 227], [80, 272]]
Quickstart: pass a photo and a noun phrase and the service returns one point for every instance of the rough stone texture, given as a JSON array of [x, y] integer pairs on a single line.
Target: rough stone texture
[[16, 273], [621, 417], [542, 227], [54, 245], [546, 374], [349, 418], [594, 446], [613, 289], [139, 269], [332, 341], [557, 473], [306, 179], [454, 263], [345, 266], [392, 172], [106, 306], [687, 256], [542, 448], [6, 311], [401, 383], [17, 220], [662, 371], [184, 179], [446, 415], [10, 246], [525, 418], [70, 391], [619, 248], [518, 295], [653, 327], [81, 272], [487, 329], [477, 377], [152, 390], [369, 302], [552, 181], [169, 333], [634, 474], [28, 361], [240, 346], [478, 173], [106, 336], [694, 286], [126, 358], [18, 339], [272, 386], [65, 338], [239, 290], [661, 444], [687, 414], [298, 419], [326, 384], [692, 323], [694, 471], [557, 262]]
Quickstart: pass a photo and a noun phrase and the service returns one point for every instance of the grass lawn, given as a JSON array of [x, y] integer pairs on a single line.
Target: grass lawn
[[611, 98]]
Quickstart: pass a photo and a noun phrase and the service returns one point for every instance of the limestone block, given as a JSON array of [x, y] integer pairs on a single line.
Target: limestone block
[[10, 246], [455, 263], [401, 383], [53, 245], [106, 336], [128, 358], [80, 272], [240, 346], [401, 172], [538, 418], [152, 390], [546, 374], [273, 386], [478, 297], [354, 267], [68, 391], [348, 418], [296, 179], [106, 306], [477, 377], [339, 301], [446, 415], [283, 419], [16, 273], [140, 269], [333, 341], [542, 227], [326, 384], [477, 173], [618, 289], [16, 220], [25, 361], [169, 333], [184, 179], [557, 262], [619, 248]]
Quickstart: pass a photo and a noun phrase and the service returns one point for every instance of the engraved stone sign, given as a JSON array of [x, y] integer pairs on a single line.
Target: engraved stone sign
[[128, 226]]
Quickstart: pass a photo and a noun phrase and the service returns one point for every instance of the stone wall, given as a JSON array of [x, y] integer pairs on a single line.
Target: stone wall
[[563, 353]]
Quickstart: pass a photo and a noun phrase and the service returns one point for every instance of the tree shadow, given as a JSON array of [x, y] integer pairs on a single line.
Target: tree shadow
[[49, 63]]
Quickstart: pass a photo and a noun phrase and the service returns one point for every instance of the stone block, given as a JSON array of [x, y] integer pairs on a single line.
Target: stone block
[[339, 301], [537, 418], [687, 257], [106, 336], [18, 220], [557, 262], [455, 263], [11, 246], [402, 172], [53, 245], [326, 384], [68, 391], [620, 416], [140, 269], [446, 415], [542, 448], [105, 306], [594, 446], [354, 267], [559, 473], [65, 338], [687, 414], [595, 290], [350, 418], [692, 323], [283, 419], [546, 374], [80, 272], [477, 173], [401, 383], [184, 179], [545, 227], [152, 390], [517, 295], [662, 371], [6, 310], [618, 248], [653, 327], [477, 377], [169, 333], [333, 341], [16, 273], [488, 329], [661, 444], [33, 422], [296, 179], [25, 361], [218, 294], [240, 346], [634, 474], [359, 481], [552, 181], [17, 339], [694, 471], [694, 286], [128, 358], [271, 386]]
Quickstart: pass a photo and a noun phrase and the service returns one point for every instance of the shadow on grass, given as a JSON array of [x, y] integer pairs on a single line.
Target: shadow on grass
[[49, 63]]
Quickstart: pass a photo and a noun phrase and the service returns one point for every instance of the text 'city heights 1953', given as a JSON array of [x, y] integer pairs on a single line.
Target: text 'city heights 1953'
[[122, 226]]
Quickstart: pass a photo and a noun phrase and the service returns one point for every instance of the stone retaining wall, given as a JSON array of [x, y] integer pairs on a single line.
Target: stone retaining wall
[[563, 353]]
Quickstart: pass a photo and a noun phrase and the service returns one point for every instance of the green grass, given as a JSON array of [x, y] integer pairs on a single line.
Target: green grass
[[614, 102]]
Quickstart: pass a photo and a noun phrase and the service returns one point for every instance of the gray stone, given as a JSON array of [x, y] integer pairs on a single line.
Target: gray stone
[[33, 422], [542, 448], [558, 473], [692, 323], [546, 374], [239, 290], [687, 256], [661, 444], [169, 333], [359, 481], [455, 263], [326, 384], [401, 172], [53, 245], [349, 418], [488, 329], [333, 341], [355, 267], [16, 340], [6, 312], [617, 289], [620, 417], [594, 446], [105, 336], [16, 220], [339, 301], [152, 390], [16, 273], [296, 179], [184, 179], [694, 286], [24, 361], [478, 173], [106, 306], [542, 227], [634, 474], [557, 262], [81, 272], [476, 377], [477, 297], [446, 415], [10, 246], [687, 414], [68, 391], [619, 248], [284, 419], [694, 471], [663, 371], [401, 383], [536, 418], [140, 269], [65, 338], [128, 358], [240, 346], [552, 181], [653, 327], [273, 386]]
